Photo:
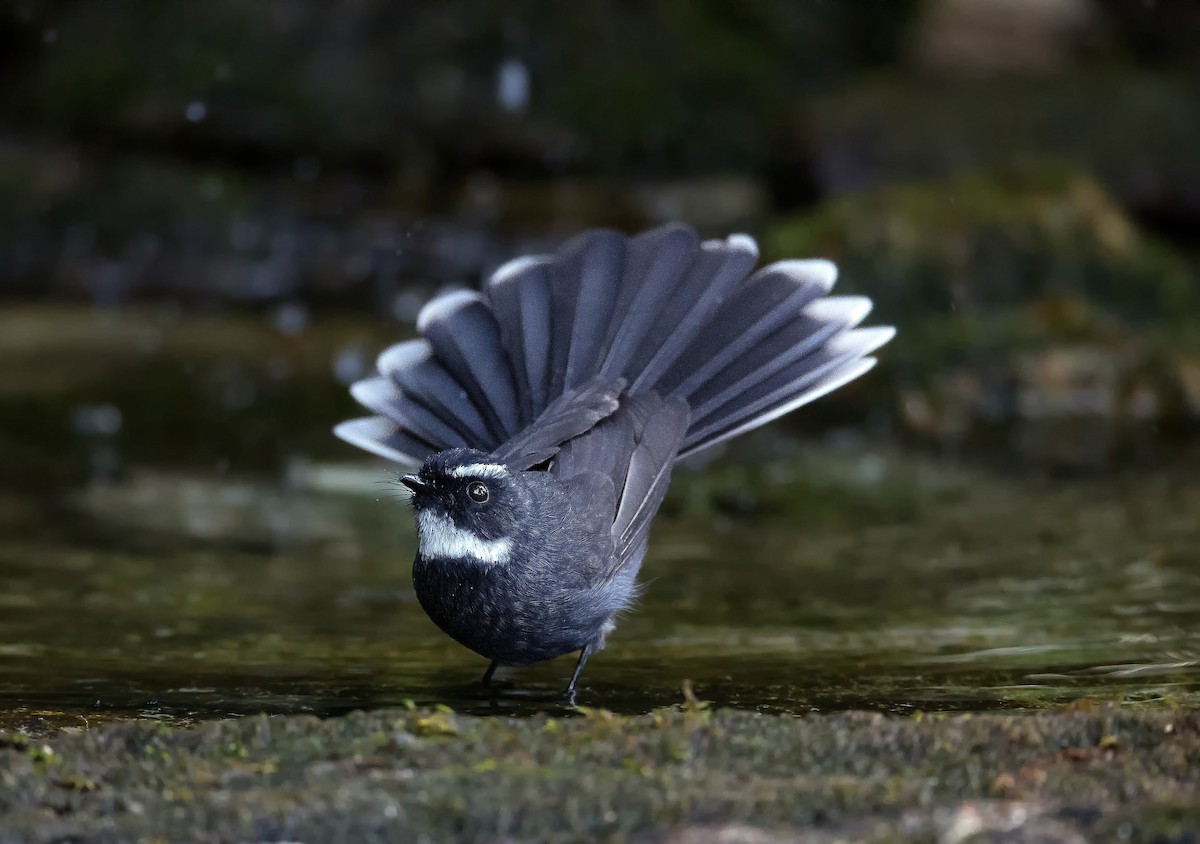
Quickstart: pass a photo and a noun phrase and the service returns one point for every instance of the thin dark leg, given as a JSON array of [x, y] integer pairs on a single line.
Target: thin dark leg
[[487, 675], [569, 693]]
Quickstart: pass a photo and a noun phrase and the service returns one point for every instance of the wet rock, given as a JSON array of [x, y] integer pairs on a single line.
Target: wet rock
[[562, 205], [1001, 35], [1073, 403], [715, 205], [1032, 314], [1188, 370]]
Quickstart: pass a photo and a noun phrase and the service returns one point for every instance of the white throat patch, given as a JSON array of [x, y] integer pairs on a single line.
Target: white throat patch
[[440, 538]]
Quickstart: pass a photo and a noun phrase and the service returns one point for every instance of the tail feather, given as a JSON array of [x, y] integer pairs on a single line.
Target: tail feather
[[806, 379], [535, 357], [383, 397], [413, 369], [829, 382], [565, 272], [588, 283], [786, 347], [768, 300], [656, 263], [806, 332], [719, 266], [463, 333], [385, 438], [519, 293]]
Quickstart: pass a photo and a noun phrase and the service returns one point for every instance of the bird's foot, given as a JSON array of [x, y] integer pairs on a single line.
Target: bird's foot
[[568, 694], [486, 679]]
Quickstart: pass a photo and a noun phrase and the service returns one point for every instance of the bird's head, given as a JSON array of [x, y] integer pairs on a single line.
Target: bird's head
[[468, 506]]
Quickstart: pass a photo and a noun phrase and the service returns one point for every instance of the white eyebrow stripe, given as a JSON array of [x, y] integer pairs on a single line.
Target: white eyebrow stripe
[[480, 470], [440, 538]]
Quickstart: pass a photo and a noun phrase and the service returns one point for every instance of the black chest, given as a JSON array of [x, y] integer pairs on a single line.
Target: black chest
[[501, 615]]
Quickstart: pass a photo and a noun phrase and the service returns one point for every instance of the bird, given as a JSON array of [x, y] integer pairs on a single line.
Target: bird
[[544, 413]]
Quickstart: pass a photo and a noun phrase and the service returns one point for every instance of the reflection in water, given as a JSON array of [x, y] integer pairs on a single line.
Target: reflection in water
[[858, 579]]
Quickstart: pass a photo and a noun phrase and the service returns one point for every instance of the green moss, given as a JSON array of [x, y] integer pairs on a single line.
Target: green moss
[[14, 741], [981, 266], [436, 724], [610, 777]]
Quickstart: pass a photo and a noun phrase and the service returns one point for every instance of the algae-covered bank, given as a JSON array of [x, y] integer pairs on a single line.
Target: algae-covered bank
[[678, 775]]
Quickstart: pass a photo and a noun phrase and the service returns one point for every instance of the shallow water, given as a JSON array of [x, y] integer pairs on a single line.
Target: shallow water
[[787, 578], [973, 593]]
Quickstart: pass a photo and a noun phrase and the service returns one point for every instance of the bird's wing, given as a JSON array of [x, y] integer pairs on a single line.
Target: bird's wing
[[573, 413], [590, 503], [635, 449]]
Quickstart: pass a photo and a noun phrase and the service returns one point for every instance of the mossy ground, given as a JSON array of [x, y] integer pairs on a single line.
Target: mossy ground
[[679, 774]]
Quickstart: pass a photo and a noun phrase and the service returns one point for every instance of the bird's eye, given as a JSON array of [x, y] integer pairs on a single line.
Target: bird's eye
[[477, 491]]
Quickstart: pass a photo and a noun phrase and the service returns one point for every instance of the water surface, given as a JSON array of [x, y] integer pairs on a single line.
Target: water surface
[[934, 589], [786, 577]]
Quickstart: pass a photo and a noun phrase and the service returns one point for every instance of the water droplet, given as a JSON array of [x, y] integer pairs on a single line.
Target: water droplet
[[359, 265], [108, 283], [238, 392], [350, 364], [104, 463], [244, 234], [278, 368], [512, 85], [212, 187], [291, 318], [196, 111], [96, 420], [306, 168], [50, 36], [406, 305]]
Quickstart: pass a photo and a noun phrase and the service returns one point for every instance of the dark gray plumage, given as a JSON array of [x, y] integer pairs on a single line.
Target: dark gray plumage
[[546, 412]]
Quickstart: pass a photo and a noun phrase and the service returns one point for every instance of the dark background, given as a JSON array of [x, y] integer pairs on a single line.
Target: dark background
[[266, 189]]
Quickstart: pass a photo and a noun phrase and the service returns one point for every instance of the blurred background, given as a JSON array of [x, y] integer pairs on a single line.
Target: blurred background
[[213, 216]]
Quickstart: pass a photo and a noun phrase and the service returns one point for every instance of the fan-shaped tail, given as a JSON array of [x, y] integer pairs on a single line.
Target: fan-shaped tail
[[543, 353]]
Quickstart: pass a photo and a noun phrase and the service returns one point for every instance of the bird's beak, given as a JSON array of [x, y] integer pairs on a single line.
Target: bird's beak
[[414, 483]]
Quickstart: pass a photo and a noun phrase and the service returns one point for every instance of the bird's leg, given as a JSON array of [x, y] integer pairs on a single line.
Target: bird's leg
[[486, 680], [569, 692]]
